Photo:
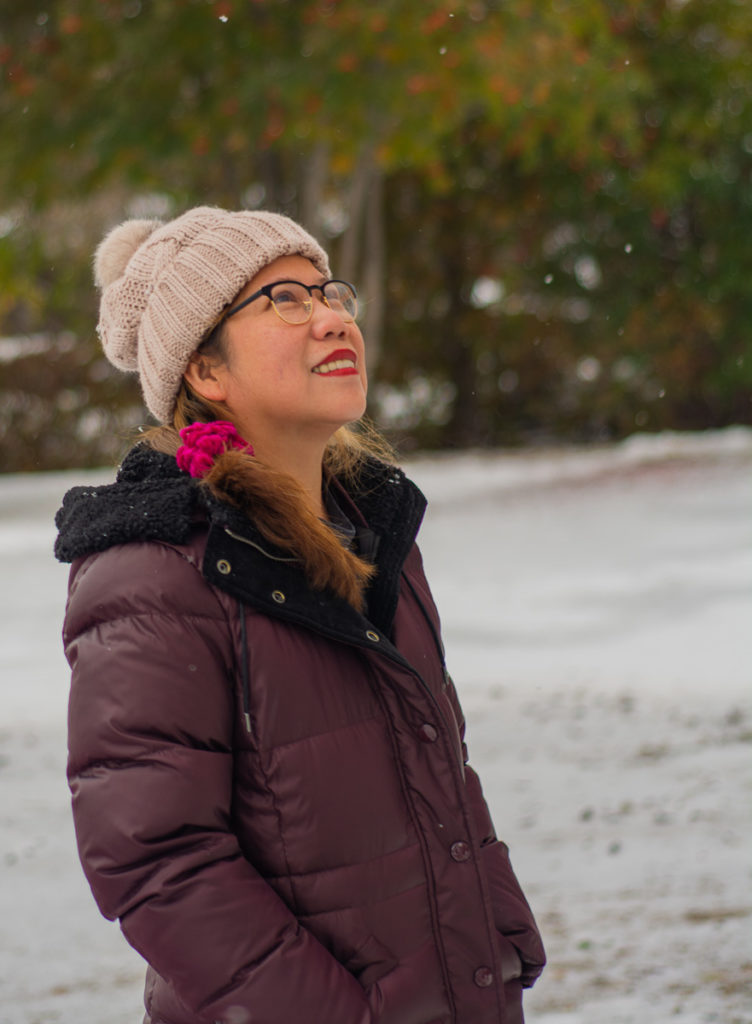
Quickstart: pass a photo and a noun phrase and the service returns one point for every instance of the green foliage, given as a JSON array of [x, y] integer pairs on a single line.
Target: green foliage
[[567, 197]]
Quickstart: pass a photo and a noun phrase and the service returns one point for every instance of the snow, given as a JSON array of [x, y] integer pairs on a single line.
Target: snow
[[596, 609]]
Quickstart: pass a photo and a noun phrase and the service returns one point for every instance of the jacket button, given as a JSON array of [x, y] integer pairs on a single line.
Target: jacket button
[[278, 596], [483, 977], [428, 733], [460, 851], [374, 637], [224, 567]]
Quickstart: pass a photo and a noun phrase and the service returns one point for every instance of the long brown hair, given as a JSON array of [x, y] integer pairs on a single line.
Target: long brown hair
[[275, 500]]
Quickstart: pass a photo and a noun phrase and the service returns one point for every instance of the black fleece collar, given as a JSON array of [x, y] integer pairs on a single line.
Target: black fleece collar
[[153, 500]]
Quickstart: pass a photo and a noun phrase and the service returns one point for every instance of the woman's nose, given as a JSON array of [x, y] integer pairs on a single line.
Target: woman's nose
[[325, 319]]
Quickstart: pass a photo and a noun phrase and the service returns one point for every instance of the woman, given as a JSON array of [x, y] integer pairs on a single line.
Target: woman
[[270, 785]]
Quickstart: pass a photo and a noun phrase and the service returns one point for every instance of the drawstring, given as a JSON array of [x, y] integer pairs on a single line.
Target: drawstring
[[246, 690]]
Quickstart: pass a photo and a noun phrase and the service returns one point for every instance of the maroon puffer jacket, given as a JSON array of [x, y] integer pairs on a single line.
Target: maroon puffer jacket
[[270, 791]]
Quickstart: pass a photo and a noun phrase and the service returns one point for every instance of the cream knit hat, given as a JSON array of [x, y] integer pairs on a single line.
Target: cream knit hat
[[164, 286]]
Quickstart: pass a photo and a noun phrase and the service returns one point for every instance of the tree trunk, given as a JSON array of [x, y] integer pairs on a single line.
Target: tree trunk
[[374, 270], [312, 190], [461, 430], [350, 250]]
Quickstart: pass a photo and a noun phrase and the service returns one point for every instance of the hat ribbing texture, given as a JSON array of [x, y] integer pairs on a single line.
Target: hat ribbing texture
[[164, 286]]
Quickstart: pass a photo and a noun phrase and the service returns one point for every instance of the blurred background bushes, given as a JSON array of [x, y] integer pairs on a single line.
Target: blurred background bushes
[[546, 206]]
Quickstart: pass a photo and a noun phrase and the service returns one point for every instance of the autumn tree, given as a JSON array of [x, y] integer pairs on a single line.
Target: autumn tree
[[544, 204]]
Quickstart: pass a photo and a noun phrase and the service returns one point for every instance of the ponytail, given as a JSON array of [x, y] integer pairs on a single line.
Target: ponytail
[[276, 501]]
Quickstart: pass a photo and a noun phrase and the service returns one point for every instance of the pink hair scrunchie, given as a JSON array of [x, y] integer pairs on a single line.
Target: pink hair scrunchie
[[203, 442]]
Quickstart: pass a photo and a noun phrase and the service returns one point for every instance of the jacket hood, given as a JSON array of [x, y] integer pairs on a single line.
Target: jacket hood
[[151, 499]]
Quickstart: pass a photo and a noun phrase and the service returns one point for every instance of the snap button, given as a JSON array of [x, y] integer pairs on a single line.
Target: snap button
[[428, 733], [460, 851], [483, 977], [224, 566], [373, 636], [278, 596]]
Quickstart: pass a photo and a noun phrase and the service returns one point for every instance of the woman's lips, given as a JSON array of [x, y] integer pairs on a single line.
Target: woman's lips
[[340, 363]]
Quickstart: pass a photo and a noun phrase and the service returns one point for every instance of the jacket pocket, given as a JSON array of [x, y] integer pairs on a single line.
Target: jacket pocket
[[348, 938], [512, 915], [162, 1003], [511, 964], [370, 961]]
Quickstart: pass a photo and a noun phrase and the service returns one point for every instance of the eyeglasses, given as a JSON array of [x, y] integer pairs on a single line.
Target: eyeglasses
[[292, 301]]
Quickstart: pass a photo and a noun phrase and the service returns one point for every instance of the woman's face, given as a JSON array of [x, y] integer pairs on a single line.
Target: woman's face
[[275, 379]]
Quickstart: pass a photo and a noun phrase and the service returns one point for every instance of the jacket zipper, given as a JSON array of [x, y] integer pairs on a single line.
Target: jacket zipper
[[440, 650], [431, 887], [250, 543]]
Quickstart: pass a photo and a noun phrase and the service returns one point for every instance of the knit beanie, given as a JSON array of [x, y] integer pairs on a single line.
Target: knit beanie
[[164, 286]]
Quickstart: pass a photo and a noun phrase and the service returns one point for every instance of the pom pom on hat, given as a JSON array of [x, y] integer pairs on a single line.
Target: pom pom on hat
[[165, 285], [115, 250]]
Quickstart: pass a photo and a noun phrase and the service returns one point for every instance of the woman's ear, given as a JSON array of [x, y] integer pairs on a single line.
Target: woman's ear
[[205, 376]]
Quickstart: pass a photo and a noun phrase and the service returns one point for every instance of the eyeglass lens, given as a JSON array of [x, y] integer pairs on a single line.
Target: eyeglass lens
[[294, 303]]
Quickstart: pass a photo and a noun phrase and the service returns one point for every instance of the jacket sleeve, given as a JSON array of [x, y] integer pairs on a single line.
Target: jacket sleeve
[[512, 914], [150, 771]]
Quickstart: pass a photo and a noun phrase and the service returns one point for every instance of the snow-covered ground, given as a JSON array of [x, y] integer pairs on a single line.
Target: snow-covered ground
[[597, 612]]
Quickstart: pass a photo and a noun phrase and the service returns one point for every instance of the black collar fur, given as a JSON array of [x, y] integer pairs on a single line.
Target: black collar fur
[[153, 500]]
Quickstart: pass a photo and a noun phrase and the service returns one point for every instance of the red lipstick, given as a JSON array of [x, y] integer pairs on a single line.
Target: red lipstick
[[340, 363]]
